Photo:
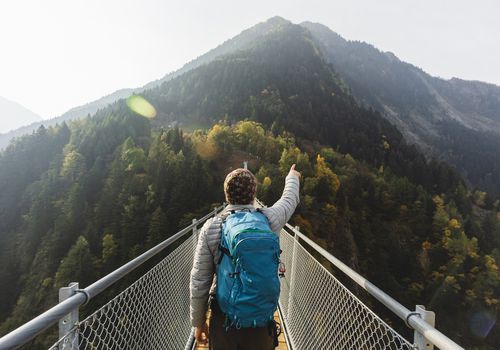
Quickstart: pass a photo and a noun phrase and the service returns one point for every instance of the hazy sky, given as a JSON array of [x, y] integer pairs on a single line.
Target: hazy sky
[[60, 54]]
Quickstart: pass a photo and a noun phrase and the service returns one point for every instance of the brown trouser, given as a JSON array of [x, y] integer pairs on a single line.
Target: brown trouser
[[259, 338]]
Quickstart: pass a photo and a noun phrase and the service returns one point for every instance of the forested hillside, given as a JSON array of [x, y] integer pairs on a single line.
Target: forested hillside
[[80, 199], [239, 42], [77, 203], [455, 120], [132, 187], [444, 118], [284, 83]]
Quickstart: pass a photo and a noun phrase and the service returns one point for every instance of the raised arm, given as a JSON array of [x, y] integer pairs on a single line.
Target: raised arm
[[282, 210]]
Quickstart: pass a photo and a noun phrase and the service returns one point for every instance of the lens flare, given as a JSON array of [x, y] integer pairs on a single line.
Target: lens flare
[[141, 106], [481, 323]]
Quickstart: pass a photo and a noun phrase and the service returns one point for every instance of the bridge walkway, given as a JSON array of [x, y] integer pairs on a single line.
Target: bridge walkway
[[281, 339], [316, 310]]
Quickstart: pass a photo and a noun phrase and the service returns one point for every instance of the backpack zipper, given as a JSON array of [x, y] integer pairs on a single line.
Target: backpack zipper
[[233, 246]]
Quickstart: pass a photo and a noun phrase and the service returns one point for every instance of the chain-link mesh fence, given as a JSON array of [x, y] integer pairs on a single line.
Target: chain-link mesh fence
[[153, 313], [320, 313]]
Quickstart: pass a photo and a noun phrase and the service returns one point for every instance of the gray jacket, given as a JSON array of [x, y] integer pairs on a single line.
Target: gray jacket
[[207, 250]]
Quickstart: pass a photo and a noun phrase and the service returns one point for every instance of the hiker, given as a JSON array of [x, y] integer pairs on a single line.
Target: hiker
[[241, 327]]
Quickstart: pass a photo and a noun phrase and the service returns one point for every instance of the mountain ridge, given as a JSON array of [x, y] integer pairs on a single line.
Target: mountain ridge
[[14, 115], [92, 107], [423, 107]]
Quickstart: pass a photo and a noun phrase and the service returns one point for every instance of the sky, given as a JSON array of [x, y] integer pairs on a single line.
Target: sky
[[56, 55]]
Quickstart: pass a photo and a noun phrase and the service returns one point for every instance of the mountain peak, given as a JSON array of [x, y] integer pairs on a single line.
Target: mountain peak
[[14, 115], [277, 20]]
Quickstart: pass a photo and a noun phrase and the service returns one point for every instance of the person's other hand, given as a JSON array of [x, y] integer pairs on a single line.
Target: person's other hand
[[201, 334], [293, 171]]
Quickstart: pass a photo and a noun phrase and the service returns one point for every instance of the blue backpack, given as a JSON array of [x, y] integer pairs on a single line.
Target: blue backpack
[[248, 286]]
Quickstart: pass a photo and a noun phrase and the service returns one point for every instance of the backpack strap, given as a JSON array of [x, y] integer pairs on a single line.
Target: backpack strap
[[224, 250], [223, 217]]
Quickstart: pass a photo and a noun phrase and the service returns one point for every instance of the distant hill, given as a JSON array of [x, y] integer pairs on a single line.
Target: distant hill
[[455, 120], [13, 115]]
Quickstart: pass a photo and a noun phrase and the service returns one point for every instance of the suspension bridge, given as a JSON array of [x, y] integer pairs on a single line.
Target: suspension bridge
[[316, 311]]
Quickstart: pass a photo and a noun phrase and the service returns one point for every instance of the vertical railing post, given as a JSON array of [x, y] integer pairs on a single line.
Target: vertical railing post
[[67, 323], [292, 272], [430, 317]]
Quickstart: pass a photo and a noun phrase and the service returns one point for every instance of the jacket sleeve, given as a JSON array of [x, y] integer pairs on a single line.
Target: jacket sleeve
[[201, 278], [282, 210]]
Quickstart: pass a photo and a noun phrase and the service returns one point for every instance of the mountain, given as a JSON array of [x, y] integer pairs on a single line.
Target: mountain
[[284, 83], [13, 115], [79, 199], [455, 120], [238, 42]]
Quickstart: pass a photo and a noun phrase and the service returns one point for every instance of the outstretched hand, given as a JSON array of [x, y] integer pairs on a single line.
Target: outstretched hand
[[294, 172]]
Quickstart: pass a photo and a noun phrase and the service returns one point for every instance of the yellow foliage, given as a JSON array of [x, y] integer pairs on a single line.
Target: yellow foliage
[[221, 137], [416, 287], [490, 263], [436, 276], [439, 202], [490, 301], [452, 281], [323, 171], [474, 270], [471, 294], [454, 224], [426, 245], [207, 149], [267, 181], [472, 247], [480, 198]]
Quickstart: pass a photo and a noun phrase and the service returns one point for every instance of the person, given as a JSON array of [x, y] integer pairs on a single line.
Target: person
[[239, 189]]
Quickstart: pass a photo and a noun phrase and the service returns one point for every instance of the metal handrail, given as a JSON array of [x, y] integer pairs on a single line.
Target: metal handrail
[[28, 331], [31, 329], [412, 319]]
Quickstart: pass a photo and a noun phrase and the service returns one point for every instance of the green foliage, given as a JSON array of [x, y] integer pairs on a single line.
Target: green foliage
[[77, 265], [92, 210], [293, 155], [110, 187], [87, 198], [109, 248]]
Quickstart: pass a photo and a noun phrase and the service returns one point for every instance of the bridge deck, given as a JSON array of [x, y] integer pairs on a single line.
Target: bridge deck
[[281, 339]]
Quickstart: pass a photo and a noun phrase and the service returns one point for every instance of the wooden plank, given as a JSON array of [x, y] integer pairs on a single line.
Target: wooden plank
[[281, 338]]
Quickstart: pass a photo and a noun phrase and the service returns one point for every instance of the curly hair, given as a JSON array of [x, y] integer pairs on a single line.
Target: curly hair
[[240, 186]]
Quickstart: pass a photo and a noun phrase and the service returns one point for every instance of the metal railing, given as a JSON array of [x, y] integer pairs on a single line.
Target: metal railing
[[317, 311], [113, 323], [321, 313]]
